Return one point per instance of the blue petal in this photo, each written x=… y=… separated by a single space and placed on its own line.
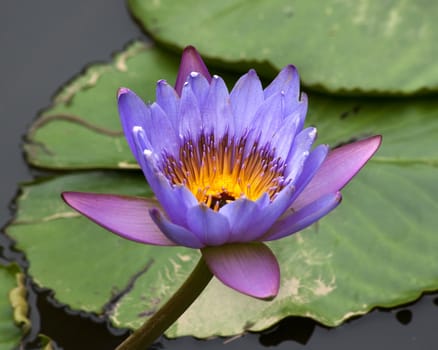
x=210 y=227
x=175 y=233
x=306 y=216
x=283 y=138
x=301 y=109
x=190 y=123
x=267 y=120
x=161 y=132
x=141 y=145
x=133 y=112
x=299 y=152
x=175 y=200
x=241 y=215
x=199 y=85
x=271 y=211
x=168 y=100
x=288 y=82
x=217 y=116
x=310 y=168
x=246 y=98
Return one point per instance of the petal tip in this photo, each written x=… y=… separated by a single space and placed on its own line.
x=269 y=297
x=190 y=50
x=266 y=295
x=291 y=71
x=69 y=197
x=366 y=148
x=269 y=293
x=121 y=91
x=191 y=61
x=377 y=141
x=291 y=68
x=249 y=268
x=162 y=82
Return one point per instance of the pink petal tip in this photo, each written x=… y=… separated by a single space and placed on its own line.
x=191 y=61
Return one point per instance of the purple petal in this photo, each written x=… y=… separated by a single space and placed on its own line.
x=284 y=137
x=287 y=81
x=142 y=146
x=191 y=61
x=241 y=215
x=299 y=220
x=125 y=216
x=270 y=211
x=161 y=132
x=299 y=152
x=246 y=97
x=133 y=112
x=175 y=200
x=199 y=86
x=189 y=113
x=267 y=119
x=212 y=228
x=338 y=169
x=217 y=116
x=301 y=109
x=310 y=168
x=174 y=232
x=168 y=100
x=249 y=268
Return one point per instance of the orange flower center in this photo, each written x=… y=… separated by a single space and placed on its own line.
x=218 y=173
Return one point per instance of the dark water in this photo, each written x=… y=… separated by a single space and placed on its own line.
x=45 y=43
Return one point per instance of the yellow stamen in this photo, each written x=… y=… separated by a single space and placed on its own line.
x=219 y=172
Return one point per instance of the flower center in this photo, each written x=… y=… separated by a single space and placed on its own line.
x=219 y=172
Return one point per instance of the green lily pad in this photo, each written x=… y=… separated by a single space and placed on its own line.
x=87 y=267
x=373 y=47
x=13 y=307
x=63 y=134
x=377 y=249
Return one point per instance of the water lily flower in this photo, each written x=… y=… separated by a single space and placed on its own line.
x=230 y=170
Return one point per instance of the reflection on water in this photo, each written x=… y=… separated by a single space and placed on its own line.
x=297 y=329
x=404 y=316
x=78 y=330
x=71 y=329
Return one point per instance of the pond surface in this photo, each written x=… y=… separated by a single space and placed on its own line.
x=44 y=44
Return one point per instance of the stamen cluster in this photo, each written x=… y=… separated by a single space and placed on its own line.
x=220 y=172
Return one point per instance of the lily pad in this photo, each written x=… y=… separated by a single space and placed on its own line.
x=87 y=267
x=373 y=47
x=377 y=249
x=13 y=307
x=62 y=135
